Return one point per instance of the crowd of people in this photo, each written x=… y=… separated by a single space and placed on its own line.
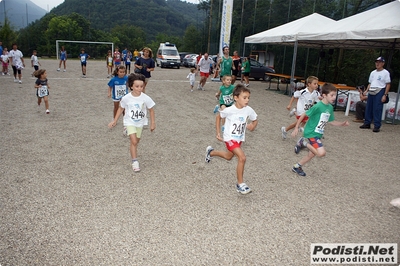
x=234 y=116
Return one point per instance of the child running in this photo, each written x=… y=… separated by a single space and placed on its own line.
x=42 y=88
x=128 y=60
x=135 y=104
x=117 y=87
x=246 y=71
x=236 y=124
x=83 y=57
x=305 y=100
x=109 y=63
x=63 y=59
x=35 y=61
x=225 y=96
x=192 y=78
x=318 y=116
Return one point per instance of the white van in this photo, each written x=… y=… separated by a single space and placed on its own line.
x=168 y=56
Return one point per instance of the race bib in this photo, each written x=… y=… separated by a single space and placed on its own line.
x=120 y=91
x=228 y=99
x=323 y=120
x=110 y=60
x=136 y=113
x=42 y=91
x=238 y=128
x=83 y=58
x=308 y=105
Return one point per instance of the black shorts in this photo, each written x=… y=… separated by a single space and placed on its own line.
x=83 y=64
x=235 y=72
x=36 y=68
x=15 y=70
x=246 y=74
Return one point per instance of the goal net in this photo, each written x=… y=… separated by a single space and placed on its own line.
x=101 y=52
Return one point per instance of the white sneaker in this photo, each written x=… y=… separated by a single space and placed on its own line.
x=65 y=70
x=47 y=111
x=20 y=81
x=58 y=69
x=243 y=188
x=15 y=80
x=292 y=112
x=284 y=133
x=135 y=166
x=2 y=74
x=301 y=129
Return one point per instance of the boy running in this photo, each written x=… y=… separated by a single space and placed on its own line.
x=236 y=117
x=318 y=116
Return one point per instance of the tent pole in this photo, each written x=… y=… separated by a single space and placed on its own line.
x=293 y=65
x=395 y=106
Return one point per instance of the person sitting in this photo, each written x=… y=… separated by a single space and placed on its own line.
x=361 y=105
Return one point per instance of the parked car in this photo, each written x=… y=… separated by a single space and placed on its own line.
x=258 y=71
x=182 y=56
x=190 y=60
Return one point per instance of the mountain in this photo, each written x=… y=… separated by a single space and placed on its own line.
x=20 y=12
x=154 y=16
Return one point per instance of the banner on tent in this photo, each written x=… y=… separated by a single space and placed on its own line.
x=226 y=23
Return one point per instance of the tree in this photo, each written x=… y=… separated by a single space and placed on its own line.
x=7 y=35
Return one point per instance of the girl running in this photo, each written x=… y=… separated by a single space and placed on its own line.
x=117 y=87
x=42 y=88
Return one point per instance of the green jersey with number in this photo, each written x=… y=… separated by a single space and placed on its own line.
x=226 y=97
x=226 y=66
x=318 y=116
x=246 y=67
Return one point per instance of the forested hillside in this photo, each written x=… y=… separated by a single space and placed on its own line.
x=154 y=16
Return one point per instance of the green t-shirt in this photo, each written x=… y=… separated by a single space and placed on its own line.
x=226 y=66
x=226 y=97
x=246 y=67
x=318 y=116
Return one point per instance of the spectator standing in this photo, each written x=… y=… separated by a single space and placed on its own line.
x=378 y=89
x=237 y=62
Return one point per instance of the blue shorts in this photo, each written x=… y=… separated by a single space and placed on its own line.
x=83 y=64
x=316 y=142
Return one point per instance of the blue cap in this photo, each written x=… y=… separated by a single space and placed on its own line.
x=380 y=59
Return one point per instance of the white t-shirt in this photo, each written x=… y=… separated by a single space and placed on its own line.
x=305 y=100
x=16 y=58
x=191 y=77
x=379 y=79
x=205 y=64
x=136 y=109
x=34 y=60
x=236 y=122
x=4 y=58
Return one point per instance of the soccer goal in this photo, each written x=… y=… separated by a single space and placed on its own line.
x=87 y=42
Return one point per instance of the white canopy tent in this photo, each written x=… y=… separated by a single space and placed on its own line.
x=286 y=34
x=375 y=28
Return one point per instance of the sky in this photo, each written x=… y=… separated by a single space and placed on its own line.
x=49 y=4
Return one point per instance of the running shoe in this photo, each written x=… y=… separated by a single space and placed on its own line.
x=243 y=188
x=298 y=170
x=284 y=133
x=292 y=113
x=58 y=69
x=47 y=111
x=20 y=81
x=65 y=70
x=299 y=145
x=216 y=108
x=135 y=166
x=15 y=80
x=208 y=156
x=301 y=129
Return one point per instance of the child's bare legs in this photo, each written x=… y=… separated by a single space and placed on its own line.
x=46 y=102
x=116 y=106
x=65 y=64
x=84 y=70
x=133 y=146
x=228 y=155
x=144 y=87
x=39 y=100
